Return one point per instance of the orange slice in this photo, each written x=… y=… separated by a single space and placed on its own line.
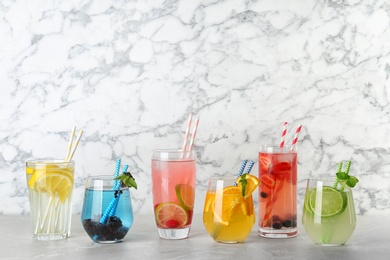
x=226 y=202
x=251 y=185
x=185 y=194
x=171 y=215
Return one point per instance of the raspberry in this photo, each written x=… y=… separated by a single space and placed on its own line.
x=172 y=223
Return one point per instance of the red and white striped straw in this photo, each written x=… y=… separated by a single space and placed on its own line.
x=295 y=140
x=193 y=136
x=283 y=135
x=187 y=133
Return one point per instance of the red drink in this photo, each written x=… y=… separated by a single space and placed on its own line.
x=173 y=188
x=277 y=192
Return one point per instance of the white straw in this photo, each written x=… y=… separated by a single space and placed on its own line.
x=70 y=143
x=193 y=136
x=75 y=146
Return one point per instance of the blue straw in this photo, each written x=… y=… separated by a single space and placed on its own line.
x=251 y=163
x=241 y=171
x=111 y=209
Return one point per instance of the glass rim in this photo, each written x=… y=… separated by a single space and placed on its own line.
x=223 y=178
x=173 y=154
x=48 y=161
x=267 y=148
x=101 y=177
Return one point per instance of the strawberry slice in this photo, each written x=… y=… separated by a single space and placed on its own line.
x=265 y=163
x=282 y=170
x=268 y=180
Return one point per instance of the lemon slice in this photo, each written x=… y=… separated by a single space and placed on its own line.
x=327 y=202
x=54 y=181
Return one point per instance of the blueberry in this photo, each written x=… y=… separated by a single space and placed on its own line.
x=263 y=194
x=287 y=223
x=277 y=225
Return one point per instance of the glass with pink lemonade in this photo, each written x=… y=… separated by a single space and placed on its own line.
x=277 y=192
x=173 y=188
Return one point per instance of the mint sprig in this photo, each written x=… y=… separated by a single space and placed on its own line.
x=344 y=177
x=127 y=179
x=243 y=182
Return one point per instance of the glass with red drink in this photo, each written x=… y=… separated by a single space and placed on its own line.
x=277 y=192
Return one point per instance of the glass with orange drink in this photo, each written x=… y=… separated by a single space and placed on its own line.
x=228 y=214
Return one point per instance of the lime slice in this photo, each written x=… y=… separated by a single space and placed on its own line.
x=171 y=215
x=327 y=202
x=185 y=194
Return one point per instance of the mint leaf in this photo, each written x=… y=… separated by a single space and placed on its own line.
x=243 y=182
x=352 y=181
x=342 y=176
x=127 y=179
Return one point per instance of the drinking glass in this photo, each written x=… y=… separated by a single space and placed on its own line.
x=173 y=188
x=50 y=186
x=277 y=192
x=227 y=215
x=329 y=215
x=107 y=213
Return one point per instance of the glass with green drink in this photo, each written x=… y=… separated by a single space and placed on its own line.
x=329 y=215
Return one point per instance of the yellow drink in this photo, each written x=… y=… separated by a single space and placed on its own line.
x=50 y=185
x=228 y=216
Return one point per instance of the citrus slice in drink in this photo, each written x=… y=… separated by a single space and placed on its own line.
x=56 y=181
x=171 y=215
x=185 y=194
x=326 y=202
x=251 y=184
x=227 y=200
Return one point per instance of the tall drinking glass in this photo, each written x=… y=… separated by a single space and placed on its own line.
x=107 y=213
x=50 y=186
x=173 y=188
x=277 y=192
x=329 y=213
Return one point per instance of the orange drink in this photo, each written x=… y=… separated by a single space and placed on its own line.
x=173 y=188
x=277 y=192
x=228 y=214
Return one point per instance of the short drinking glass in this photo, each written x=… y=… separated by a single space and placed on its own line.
x=173 y=188
x=227 y=215
x=107 y=213
x=329 y=215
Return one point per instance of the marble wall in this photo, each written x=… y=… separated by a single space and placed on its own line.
x=128 y=72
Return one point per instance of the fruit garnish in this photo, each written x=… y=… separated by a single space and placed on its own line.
x=228 y=199
x=331 y=202
x=54 y=181
x=185 y=194
x=170 y=214
x=127 y=179
x=248 y=183
x=344 y=177
x=268 y=180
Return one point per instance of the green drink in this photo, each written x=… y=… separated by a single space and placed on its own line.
x=329 y=213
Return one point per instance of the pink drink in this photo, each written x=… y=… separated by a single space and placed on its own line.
x=173 y=188
x=277 y=192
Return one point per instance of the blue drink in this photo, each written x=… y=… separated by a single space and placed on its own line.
x=107 y=214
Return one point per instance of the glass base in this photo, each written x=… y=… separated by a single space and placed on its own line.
x=174 y=233
x=50 y=236
x=278 y=233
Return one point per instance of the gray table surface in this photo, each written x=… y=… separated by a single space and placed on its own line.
x=371 y=240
